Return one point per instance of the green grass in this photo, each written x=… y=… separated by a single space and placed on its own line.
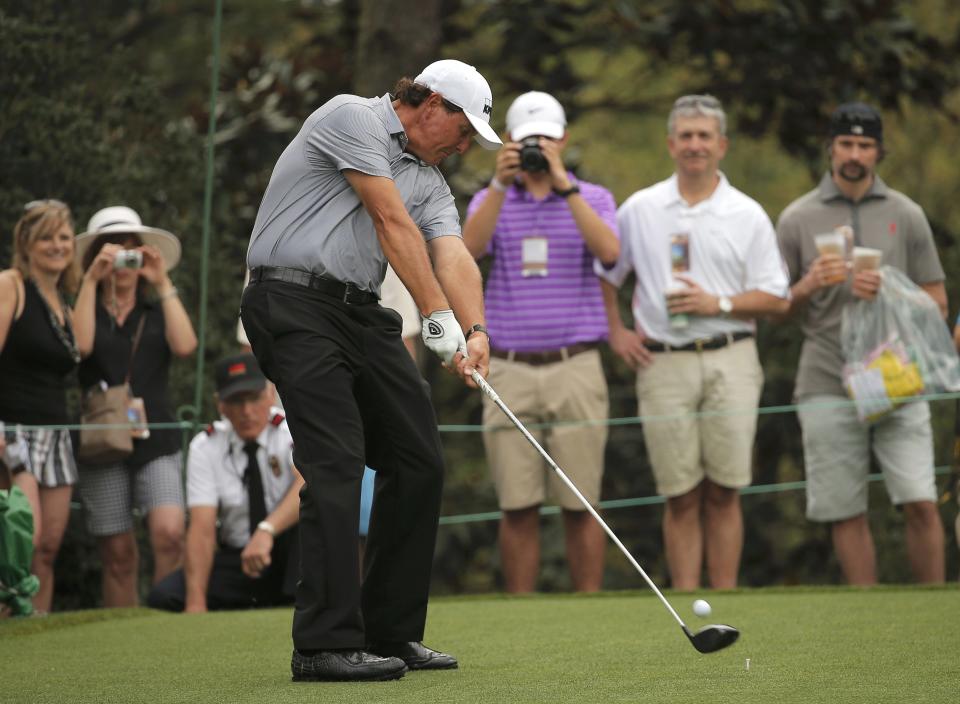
x=805 y=645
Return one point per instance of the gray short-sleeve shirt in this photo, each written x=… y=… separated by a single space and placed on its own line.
x=311 y=219
x=884 y=219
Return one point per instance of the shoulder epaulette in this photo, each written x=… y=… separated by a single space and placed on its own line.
x=277 y=419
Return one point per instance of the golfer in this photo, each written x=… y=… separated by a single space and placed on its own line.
x=357 y=188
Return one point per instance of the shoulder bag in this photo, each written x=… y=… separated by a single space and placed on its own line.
x=106 y=431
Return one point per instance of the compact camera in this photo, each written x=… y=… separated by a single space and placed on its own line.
x=531 y=155
x=128 y=259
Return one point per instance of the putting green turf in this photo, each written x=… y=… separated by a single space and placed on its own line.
x=805 y=645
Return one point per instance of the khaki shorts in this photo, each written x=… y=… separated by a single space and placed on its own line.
x=836 y=452
x=574 y=389
x=684 y=448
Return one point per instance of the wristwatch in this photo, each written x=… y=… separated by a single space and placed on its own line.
x=477 y=328
x=568 y=192
x=267 y=527
x=726 y=306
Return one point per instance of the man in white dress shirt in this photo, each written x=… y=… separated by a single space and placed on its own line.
x=240 y=472
x=707 y=264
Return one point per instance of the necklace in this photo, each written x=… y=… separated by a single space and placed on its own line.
x=114 y=304
x=63 y=332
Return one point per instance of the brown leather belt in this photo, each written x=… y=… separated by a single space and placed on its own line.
x=348 y=293
x=701 y=345
x=547 y=357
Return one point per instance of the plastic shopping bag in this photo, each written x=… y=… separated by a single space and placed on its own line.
x=896 y=347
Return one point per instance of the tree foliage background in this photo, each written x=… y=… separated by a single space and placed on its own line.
x=108 y=102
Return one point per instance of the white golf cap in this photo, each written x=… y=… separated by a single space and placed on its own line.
x=462 y=85
x=536 y=113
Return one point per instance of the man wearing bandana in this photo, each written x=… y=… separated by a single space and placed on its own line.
x=852 y=199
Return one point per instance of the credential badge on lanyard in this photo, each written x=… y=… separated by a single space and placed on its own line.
x=534 y=256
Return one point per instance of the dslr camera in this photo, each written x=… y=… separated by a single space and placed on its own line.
x=128 y=259
x=531 y=156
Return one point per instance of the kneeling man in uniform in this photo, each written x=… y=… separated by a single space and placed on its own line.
x=240 y=473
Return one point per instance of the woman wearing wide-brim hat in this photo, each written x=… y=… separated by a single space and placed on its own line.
x=122 y=260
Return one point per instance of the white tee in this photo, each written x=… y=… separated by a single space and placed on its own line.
x=732 y=249
x=393 y=294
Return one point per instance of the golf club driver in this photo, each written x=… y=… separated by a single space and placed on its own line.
x=708 y=639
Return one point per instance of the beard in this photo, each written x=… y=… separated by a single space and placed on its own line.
x=852 y=171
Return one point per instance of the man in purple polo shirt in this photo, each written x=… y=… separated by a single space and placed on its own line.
x=545 y=314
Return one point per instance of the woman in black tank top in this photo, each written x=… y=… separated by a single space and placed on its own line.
x=38 y=354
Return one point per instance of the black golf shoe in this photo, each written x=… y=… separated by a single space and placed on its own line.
x=416 y=655
x=345 y=666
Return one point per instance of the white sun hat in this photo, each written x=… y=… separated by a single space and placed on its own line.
x=462 y=85
x=119 y=219
x=536 y=113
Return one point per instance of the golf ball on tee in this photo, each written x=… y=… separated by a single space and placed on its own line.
x=701 y=608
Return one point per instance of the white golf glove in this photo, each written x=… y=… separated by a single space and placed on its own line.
x=442 y=335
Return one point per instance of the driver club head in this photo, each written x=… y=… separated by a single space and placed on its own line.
x=710 y=639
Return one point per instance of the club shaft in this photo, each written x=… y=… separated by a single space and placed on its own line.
x=495 y=397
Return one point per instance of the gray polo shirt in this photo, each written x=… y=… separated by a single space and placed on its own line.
x=884 y=219
x=310 y=217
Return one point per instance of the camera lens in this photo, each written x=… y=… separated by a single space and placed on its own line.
x=531 y=156
x=128 y=259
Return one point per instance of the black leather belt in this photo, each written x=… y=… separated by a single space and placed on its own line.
x=547 y=357
x=348 y=293
x=704 y=343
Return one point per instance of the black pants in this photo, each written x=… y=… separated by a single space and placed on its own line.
x=352 y=395
x=229 y=587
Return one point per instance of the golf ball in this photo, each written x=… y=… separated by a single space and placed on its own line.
x=701 y=608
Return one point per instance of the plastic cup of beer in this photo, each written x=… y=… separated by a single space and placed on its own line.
x=677 y=320
x=832 y=243
x=866 y=259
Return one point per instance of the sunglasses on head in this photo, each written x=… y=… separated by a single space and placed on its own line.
x=46 y=201
x=706 y=101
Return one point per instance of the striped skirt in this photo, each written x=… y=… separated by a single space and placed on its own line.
x=49 y=456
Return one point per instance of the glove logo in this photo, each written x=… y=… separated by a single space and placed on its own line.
x=434 y=329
